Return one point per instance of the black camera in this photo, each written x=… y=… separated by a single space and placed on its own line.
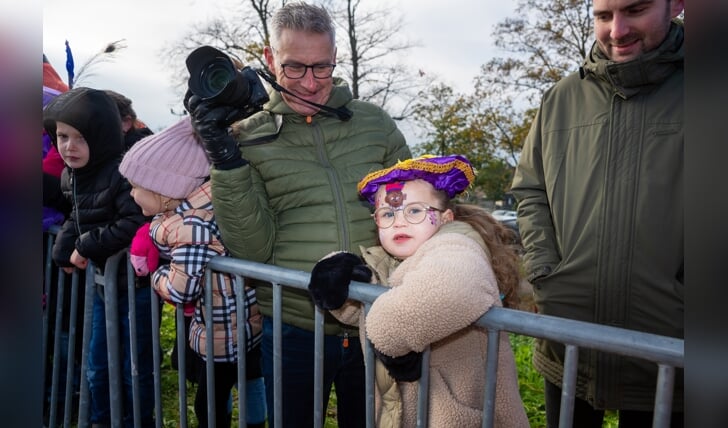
x=213 y=77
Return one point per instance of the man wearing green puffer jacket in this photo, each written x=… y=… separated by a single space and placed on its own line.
x=287 y=196
x=600 y=191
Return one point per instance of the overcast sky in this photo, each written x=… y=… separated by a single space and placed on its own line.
x=454 y=39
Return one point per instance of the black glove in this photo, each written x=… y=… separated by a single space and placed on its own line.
x=211 y=122
x=406 y=368
x=329 y=286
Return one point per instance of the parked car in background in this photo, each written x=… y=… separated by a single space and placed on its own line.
x=502 y=215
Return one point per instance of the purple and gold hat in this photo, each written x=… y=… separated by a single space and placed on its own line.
x=451 y=174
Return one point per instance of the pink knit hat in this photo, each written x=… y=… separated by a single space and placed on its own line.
x=171 y=162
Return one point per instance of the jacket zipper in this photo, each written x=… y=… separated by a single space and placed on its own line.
x=76 y=223
x=336 y=183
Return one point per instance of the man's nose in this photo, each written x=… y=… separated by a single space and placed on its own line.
x=308 y=81
x=620 y=27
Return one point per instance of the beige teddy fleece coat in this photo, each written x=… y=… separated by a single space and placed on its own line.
x=437 y=294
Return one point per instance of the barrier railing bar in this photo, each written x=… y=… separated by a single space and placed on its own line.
x=663 y=396
x=209 y=351
x=156 y=358
x=131 y=290
x=666 y=352
x=423 y=391
x=277 y=355
x=318 y=369
x=47 y=293
x=111 y=290
x=84 y=400
x=568 y=386
x=491 y=372
x=57 y=348
x=369 y=373
x=181 y=363
x=71 y=356
x=242 y=352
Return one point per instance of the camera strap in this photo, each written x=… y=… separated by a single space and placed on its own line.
x=343 y=113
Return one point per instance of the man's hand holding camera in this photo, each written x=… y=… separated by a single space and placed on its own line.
x=220 y=94
x=211 y=121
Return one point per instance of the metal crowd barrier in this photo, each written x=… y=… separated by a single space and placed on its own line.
x=667 y=353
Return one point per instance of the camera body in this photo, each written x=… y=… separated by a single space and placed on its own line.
x=213 y=77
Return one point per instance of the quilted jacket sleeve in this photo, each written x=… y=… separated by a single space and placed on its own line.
x=243 y=213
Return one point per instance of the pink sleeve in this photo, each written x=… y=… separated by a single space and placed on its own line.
x=144 y=254
x=53 y=162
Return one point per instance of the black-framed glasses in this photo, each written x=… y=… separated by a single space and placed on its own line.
x=414 y=213
x=297 y=71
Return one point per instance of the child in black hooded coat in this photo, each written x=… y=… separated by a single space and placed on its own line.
x=85 y=126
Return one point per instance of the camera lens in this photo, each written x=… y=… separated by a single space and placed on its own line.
x=215 y=76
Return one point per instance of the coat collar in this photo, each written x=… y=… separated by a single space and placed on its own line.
x=652 y=68
x=264 y=126
x=340 y=96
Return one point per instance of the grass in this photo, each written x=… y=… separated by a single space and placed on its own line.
x=530 y=383
x=170 y=382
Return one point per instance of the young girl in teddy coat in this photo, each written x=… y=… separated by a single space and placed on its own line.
x=446 y=264
x=168 y=172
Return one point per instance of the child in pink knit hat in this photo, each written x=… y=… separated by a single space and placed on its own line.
x=446 y=264
x=168 y=172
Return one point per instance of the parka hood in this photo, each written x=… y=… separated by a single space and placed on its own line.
x=95 y=115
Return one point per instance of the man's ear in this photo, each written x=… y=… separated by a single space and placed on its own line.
x=269 y=59
x=676 y=6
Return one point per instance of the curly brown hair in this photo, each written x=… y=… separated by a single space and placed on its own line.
x=503 y=257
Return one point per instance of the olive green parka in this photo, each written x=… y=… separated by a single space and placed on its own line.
x=296 y=200
x=600 y=192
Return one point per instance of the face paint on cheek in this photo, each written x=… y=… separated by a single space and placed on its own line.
x=433 y=217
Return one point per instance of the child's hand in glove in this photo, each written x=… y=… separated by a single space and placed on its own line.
x=144 y=254
x=329 y=285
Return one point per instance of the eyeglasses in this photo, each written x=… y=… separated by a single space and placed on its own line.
x=297 y=71
x=414 y=213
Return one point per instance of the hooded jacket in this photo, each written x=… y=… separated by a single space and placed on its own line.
x=104 y=217
x=437 y=294
x=600 y=192
x=296 y=200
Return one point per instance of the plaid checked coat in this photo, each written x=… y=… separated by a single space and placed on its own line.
x=189 y=236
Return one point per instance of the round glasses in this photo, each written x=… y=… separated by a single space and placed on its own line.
x=297 y=71
x=414 y=213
